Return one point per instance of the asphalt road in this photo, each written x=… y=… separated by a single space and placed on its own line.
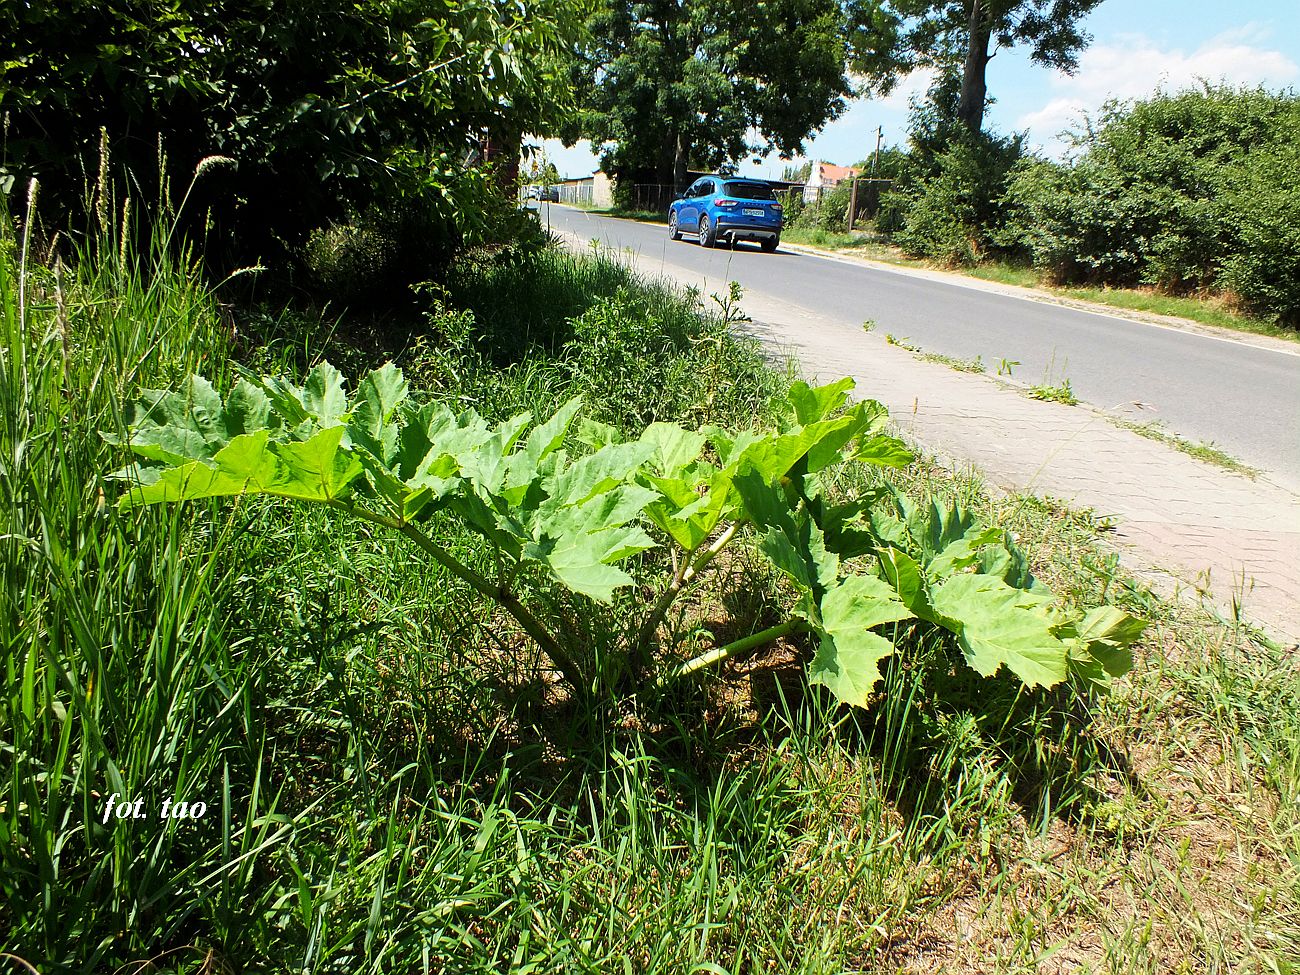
x=1243 y=398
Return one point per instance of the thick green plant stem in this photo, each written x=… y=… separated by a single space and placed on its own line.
x=719 y=654
x=498 y=593
x=687 y=571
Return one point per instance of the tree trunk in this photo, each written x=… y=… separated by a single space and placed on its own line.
x=974 y=82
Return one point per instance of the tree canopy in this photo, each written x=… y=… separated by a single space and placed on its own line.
x=674 y=83
x=892 y=37
x=321 y=105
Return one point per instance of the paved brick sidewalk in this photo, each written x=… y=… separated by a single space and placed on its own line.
x=1210 y=533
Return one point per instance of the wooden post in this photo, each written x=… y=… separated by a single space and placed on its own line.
x=853 y=203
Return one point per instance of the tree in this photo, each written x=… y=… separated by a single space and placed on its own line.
x=669 y=84
x=325 y=107
x=797 y=174
x=893 y=37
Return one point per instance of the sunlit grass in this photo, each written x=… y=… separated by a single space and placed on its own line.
x=391 y=787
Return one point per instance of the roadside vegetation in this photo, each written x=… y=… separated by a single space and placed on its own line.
x=1220 y=312
x=1147 y=215
x=1207 y=452
x=388 y=589
x=395 y=776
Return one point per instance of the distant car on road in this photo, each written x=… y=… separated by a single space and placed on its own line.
x=727 y=209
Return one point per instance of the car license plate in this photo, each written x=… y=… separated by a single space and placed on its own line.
x=752 y=212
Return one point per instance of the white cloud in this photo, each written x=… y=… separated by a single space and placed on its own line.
x=1134 y=66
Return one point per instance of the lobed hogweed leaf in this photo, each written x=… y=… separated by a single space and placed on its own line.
x=908 y=580
x=311 y=470
x=672 y=448
x=595 y=473
x=1100 y=644
x=322 y=395
x=963 y=552
x=248 y=409
x=848 y=658
x=372 y=423
x=1008 y=563
x=192 y=423
x=594 y=434
x=883 y=451
x=997 y=625
x=793 y=542
x=690 y=509
x=547 y=436
x=580 y=560
x=810 y=404
x=320 y=401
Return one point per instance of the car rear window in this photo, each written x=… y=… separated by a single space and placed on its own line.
x=748 y=191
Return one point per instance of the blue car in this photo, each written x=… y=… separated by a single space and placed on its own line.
x=727 y=209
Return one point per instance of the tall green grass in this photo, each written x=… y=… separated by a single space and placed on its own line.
x=120 y=676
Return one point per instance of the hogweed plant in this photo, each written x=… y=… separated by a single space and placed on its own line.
x=548 y=517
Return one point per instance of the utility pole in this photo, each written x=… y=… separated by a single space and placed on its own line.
x=875 y=163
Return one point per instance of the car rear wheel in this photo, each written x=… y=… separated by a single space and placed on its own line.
x=769 y=244
x=673 y=230
x=706 y=233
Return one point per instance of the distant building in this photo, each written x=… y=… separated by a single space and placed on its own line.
x=596 y=190
x=824 y=177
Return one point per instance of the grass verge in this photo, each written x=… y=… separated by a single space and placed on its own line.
x=646 y=216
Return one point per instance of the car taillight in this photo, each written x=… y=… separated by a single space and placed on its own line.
x=776 y=207
x=727 y=203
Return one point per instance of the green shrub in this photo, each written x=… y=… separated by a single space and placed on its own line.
x=1184 y=192
x=793 y=204
x=654 y=357
x=830 y=212
x=954 y=215
x=1259 y=211
x=362 y=258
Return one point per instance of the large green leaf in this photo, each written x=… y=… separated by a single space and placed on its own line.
x=372 y=424
x=322 y=395
x=883 y=451
x=810 y=404
x=320 y=401
x=596 y=473
x=672 y=448
x=848 y=658
x=311 y=470
x=192 y=423
x=690 y=508
x=962 y=553
x=524 y=467
x=581 y=560
x=908 y=580
x=998 y=626
x=1101 y=644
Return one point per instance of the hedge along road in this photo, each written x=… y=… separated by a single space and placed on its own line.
x=1241 y=395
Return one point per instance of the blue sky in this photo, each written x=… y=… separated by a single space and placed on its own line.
x=1138 y=46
